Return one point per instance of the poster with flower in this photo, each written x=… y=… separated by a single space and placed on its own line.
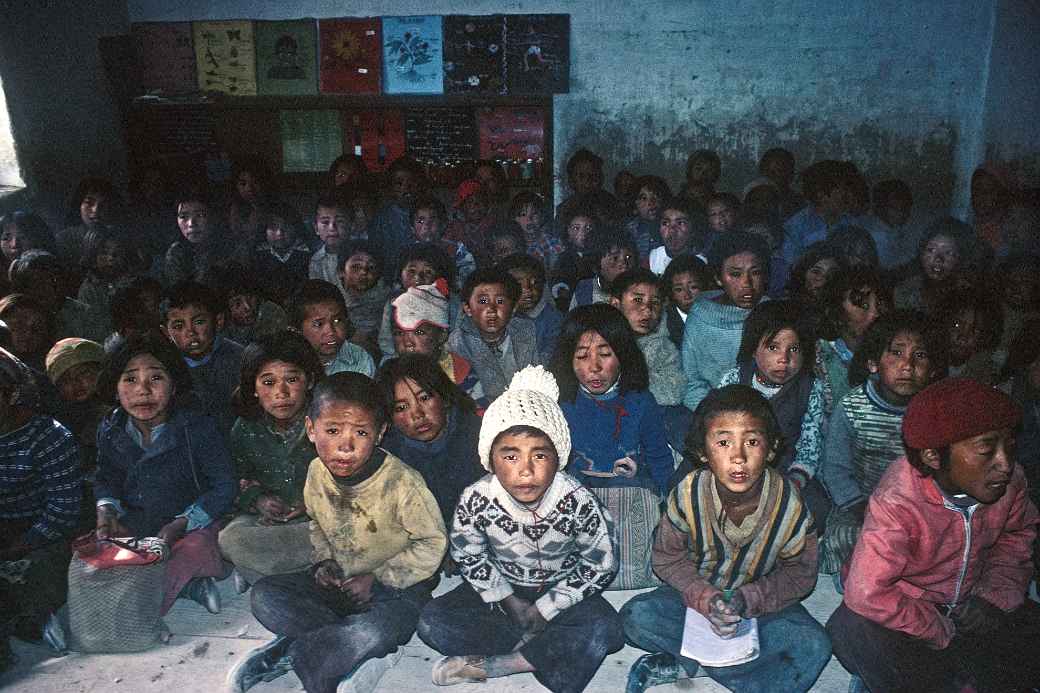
x=413 y=55
x=349 y=56
x=474 y=55
x=225 y=57
x=538 y=55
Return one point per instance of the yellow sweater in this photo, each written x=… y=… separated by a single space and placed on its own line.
x=388 y=525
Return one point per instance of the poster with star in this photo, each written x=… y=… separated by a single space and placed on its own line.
x=165 y=59
x=412 y=55
x=474 y=54
x=538 y=55
x=287 y=57
x=225 y=57
x=349 y=55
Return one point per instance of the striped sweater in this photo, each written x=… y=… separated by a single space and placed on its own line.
x=773 y=564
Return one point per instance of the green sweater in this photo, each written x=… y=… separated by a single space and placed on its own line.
x=278 y=462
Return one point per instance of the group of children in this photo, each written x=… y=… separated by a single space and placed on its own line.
x=409 y=391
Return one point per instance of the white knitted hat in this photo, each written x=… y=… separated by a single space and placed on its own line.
x=530 y=400
x=427 y=303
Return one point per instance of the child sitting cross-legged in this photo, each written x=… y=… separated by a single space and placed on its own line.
x=535 y=549
x=935 y=593
x=377 y=538
x=736 y=542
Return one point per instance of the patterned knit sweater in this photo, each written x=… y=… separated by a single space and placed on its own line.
x=498 y=543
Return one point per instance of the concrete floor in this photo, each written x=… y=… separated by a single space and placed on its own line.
x=204 y=647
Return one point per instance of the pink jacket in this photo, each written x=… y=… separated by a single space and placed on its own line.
x=918 y=556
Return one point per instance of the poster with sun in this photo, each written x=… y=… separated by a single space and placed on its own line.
x=225 y=57
x=350 y=55
x=474 y=54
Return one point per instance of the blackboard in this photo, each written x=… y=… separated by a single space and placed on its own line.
x=173 y=130
x=440 y=134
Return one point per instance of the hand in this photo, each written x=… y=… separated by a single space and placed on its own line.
x=294 y=513
x=329 y=575
x=536 y=623
x=516 y=608
x=173 y=531
x=626 y=467
x=359 y=587
x=108 y=524
x=448 y=566
x=723 y=619
x=977 y=616
x=270 y=508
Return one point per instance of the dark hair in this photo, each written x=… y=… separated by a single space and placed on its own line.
x=823 y=178
x=344 y=158
x=32 y=261
x=94 y=242
x=189 y=293
x=704 y=155
x=654 y=184
x=775 y=153
x=128 y=307
x=348 y=388
x=916 y=460
x=989 y=314
x=310 y=292
x=524 y=263
x=892 y=190
x=351 y=248
x=284 y=345
x=498 y=174
x=582 y=156
x=331 y=199
x=162 y=349
x=604 y=239
x=817 y=251
x=612 y=326
x=881 y=334
x=193 y=193
x=768 y=319
x=490 y=275
x=229 y=279
x=956 y=230
x=1023 y=350
x=90 y=184
x=507 y=229
x=626 y=280
x=688 y=262
x=408 y=165
x=736 y=243
x=678 y=203
x=854 y=241
x=731 y=398
x=256 y=166
x=433 y=255
x=569 y=212
x=726 y=198
x=20 y=301
x=32 y=225
x=286 y=212
x=856 y=283
x=425 y=371
x=522 y=199
x=431 y=203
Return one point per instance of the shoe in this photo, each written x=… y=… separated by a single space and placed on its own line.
x=241 y=584
x=451 y=670
x=653 y=670
x=54 y=635
x=205 y=592
x=262 y=664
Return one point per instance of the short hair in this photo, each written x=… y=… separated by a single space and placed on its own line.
x=490 y=275
x=351 y=248
x=431 y=203
x=310 y=292
x=883 y=331
x=344 y=158
x=735 y=243
x=654 y=184
x=855 y=241
x=962 y=235
x=688 y=262
x=33 y=226
x=677 y=203
x=20 y=301
x=90 y=184
x=725 y=198
x=768 y=319
x=229 y=279
x=569 y=212
x=433 y=255
x=612 y=326
x=408 y=165
x=94 y=242
x=254 y=165
x=892 y=190
x=127 y=306
x=820 y=250
x=332 y=199
x=285 y=345
x=32 y=261
x=604 y=239
x=348 y=388
x=822 y=178
x=162 y=349
x=775 y=153
x=507 y=229
x=193 y=193
x=425 y=371
x=522 y=199
x=285 y=212
x=735 y=398
x=857 y=283
x=190 y=293
x=704 y=155
x=582 y=156
x=524 y=263
x=626 y=280
x=989 y=314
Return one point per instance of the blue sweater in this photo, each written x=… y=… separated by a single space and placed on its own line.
x=711 y=341
x=612 y=426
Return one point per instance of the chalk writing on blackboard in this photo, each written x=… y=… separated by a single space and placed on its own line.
x=440 y=134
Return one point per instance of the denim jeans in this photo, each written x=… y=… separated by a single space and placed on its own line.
x=793 y=647
x=566 y=654
x=331 y=638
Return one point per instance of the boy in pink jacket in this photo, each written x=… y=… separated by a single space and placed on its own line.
x=935 y=596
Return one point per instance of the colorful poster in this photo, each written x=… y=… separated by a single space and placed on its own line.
x=287 y=57
x=474 y=54
x=350 y=55
x=165 y=59
x=413 y=55
x=311 y=140
x=226 y=57
x=538 y=55
x=377 y=136
x=511 y=133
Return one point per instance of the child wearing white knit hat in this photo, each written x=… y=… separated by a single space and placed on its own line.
x=535 y=546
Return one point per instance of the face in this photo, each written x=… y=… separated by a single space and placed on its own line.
x=641 y=306
x=360 y=272
x=595 y=364
x=816 y=276
x=780 y=170
x=345 y=434
x=531 y=288
x=404 y=186
x=145 y=390
x=647 y=204
x=79 y=383
x=504 y=246
x=701 y=171
x=624 y=182
x=111 y=259
x=586 y=178
x=939 y=258
x=93 y=208
x=578 y=231
x=417 y=413
x=530 y=219
x=426 y=225
x=474 y=208
x=192 y=218
x=779 y=358
x=193 y=329
x=488 y=180
x=247 y=186
x=244 y=308
x=980 y=466
x=346 y=171
x=685 y=289
x=743 y=280
x=417 y=273
x=331 y=226
x=13 y=242
x=904 y=370
x=29 y=331
x=281 y=389
x=896 y=212
x=614 y=262
x=675 y=231
x=280 y=233
x=491 y=308
x=424 y=339
x=860 y=312
x=964 y=331
x=525 y=465
x=325 y=327
x=721 y=217
x=737 y=449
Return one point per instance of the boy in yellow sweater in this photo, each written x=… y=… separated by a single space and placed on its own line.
x=378 y=539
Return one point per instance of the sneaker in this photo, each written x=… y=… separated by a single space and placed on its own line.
x=204 y=591
x=54 y=635
x=241 y=584
x=653 y=670
x=262 y=664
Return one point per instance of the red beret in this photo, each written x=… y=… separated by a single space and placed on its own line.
x=956 y=409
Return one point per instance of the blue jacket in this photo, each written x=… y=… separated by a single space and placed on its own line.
x=186 y=472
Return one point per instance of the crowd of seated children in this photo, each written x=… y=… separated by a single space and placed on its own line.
x=429 y=221
x=610 y=252
x=420 y=264
x=21 y=231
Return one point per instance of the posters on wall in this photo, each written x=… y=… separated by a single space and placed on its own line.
x=510 y=133
x=538 y=53
x=311 y=140
x=350 y=55
x=413 y=55
x=474 y=54
x=165 y=58
x=286 y=58
x=440 y=134
x=225 y=57
x=376 y=135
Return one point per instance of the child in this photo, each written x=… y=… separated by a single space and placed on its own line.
x=270 y=453
x=723 y=212
x=318 y=312
x=703 y=170
x=21 y=231
x=736 y=542
x=192 y=317
x=533 y=545
x=826 y=185
x=740 y=263
x=330 y=224
x=526 y=209
x=617 y=428
x=251 y=182
x=778 y=164
x=611 y=252
x=936 y=589
x=897 y=359
x=107 y=260
x=973 y=321
x=503 y=240
x=943 y=252
x=421 y=264
x=390 y=229
x=249 y=315
x=645 y=226
x=377 y=539
x=492 y=179
x=39 y=274
x=134 y=309
x=364 y=290
x=346 y=171
x=893 y=202
x=818 y=265
x=163 y=468
x=773 y=234
x=473 y=219
x=281 y=261
x=534 y=302
x=31 y=329
x=683 y=281
x=429 y=219
x=584 y=178
x=575 y=264
x=676 y=234
x=73 y=366
x=92 y=205
x=493 y=339
x=201 y=246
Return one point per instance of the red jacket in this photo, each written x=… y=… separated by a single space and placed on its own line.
x=917 y=556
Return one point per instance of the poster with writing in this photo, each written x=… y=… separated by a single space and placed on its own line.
x=412 y=55
x=440 y=134
x=376 y=135
x=165 y=58
x=225 y=57
x=511 y=133
x=287 y=57
x=474 y=54
x=311 y=140
x=538 y=55
x=350 y=55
